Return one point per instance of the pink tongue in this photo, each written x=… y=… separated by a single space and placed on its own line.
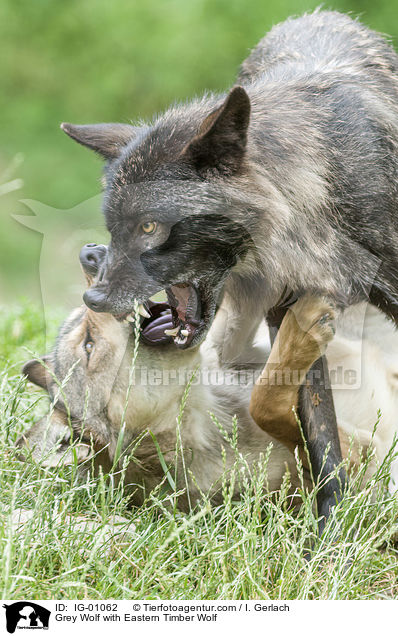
x=181 y=294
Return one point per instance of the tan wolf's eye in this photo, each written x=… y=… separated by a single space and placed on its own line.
x=149 y=227
x=89 y=346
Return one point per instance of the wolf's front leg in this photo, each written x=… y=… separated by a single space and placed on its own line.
x=306 y=329
x=233 y=330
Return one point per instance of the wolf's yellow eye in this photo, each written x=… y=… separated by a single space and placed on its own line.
x=149 y=227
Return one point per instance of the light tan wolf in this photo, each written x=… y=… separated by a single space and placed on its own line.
x=101 y=402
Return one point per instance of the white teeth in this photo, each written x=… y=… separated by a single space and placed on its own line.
x=172 y=332
x=185 y=333
x=143 y=312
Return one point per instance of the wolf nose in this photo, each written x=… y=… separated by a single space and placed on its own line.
x=92 y=257
x=96 y=299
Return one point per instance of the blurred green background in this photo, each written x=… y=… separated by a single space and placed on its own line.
x=101 y=60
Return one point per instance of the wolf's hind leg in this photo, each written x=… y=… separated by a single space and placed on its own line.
x=305 y=331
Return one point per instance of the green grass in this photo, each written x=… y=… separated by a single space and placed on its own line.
x=252 y=548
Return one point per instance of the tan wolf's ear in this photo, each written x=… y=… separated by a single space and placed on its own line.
x=37 y=373
x=49 y=442
x=105 y=139
x=220 y=144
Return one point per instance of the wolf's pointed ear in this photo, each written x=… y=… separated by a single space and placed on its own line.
x=49 y=442
x=37 y=373
x=220 y=144
x=105 y=139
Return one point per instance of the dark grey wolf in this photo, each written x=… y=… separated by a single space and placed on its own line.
x=92 y=361
x=288 y=181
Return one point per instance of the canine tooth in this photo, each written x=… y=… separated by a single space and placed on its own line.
x=143 y=312
x=172 y=332
x=130 y=318
x=185 y=332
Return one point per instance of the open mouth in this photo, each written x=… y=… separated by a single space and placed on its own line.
x=186 y=310
x=156 y=323
x=179 y=320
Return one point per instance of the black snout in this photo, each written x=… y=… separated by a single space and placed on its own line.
x=97 y=299
x=92 y=257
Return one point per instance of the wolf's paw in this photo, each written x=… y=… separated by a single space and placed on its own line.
x=306 y=330
x=316 y=317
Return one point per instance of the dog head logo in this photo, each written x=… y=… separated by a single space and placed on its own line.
x=26 y=615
